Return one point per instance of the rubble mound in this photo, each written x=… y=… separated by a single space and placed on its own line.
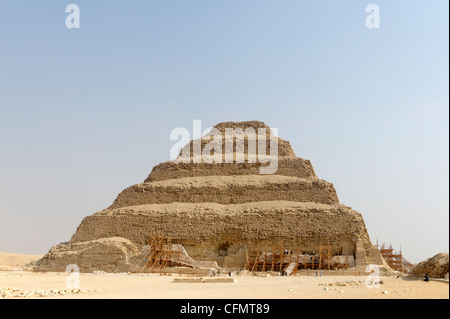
x=112 y=254
x=436 y=266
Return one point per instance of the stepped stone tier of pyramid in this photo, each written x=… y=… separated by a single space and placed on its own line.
x=220 y=211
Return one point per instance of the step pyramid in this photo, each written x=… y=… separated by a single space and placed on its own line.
x=219 y=211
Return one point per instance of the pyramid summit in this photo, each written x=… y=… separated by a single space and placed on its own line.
x=219 y=211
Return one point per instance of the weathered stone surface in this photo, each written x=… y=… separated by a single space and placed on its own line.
x=211 y=231
x=218 y=212
x=111 y=254
x=241 y=132
x=287 y=166
x=228 y=190
x=436 y=266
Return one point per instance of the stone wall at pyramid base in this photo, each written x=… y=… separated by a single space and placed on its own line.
x=110 y=239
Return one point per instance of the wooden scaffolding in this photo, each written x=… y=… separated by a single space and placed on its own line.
x=393 y=259
x=160 y=254
x=282 y=259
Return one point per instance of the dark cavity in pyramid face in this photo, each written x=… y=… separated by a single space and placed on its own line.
x=222 y=211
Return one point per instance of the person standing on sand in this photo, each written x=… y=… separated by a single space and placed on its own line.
x=427 y=279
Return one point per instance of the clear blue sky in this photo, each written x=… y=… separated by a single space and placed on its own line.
x=85 y=113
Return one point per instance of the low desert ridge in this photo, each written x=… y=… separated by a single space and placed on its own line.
x=9 y=261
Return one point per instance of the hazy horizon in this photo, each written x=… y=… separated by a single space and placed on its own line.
x=86 y=113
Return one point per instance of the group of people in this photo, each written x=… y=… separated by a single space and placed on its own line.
x=213 y=273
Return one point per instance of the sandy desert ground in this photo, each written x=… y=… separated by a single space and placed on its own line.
x=104 y=285
x=246 y=287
